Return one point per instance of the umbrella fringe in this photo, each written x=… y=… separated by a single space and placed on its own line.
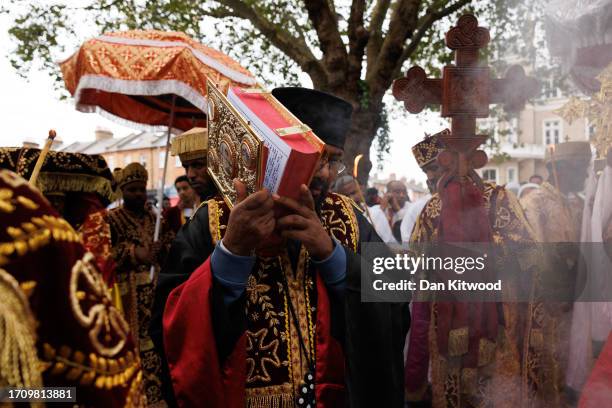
x=129 y=87
x=125 y=122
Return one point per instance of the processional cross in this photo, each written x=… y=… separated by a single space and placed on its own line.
x=464 y=92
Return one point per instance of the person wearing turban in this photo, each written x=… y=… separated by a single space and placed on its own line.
x=134 y=253
x=191 y=147
x=555 y=212
x=478 y=352
x=75 y=184
x=240 y=327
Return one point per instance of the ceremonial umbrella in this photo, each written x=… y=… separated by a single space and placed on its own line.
x=150 y=80
x=579 y=35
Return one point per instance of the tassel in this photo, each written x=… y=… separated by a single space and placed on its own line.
x=64 y=182
x=19 y=363
x=271 y=401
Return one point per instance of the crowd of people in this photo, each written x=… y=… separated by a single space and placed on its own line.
x=391 y=211
x=260 y=305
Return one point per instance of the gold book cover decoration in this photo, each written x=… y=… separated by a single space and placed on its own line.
x=235 y=151
x=255 y=138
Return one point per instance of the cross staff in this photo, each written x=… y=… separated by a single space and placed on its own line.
x=464 y=93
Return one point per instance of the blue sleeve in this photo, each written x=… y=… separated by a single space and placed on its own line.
x=231 y=271
x=333 y=269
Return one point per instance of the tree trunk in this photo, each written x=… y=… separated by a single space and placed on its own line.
x=363 y=129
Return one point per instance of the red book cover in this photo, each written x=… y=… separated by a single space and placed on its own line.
x=293 y=150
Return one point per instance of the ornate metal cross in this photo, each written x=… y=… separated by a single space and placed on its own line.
x=464 y=92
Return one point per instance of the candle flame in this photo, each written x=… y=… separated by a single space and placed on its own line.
x=356 y=165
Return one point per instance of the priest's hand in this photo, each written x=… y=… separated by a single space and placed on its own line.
x=251 y=221
x=304 y=225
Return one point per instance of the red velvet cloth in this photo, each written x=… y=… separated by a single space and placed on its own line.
x=417 y=359
x=198 y=377
x=96 y=235
x=79 y=205
x=463 y=219
x=174 y=218
x=597 y=392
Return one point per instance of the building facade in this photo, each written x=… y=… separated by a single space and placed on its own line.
x=145 y=148
x=527 y=136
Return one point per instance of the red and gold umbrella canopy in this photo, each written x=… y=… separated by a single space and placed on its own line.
x=133 y=77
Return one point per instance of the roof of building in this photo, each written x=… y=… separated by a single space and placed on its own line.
x=133 y=141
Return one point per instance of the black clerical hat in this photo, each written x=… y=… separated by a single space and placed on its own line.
x=328 y=116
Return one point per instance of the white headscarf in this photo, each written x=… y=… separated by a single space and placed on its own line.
x=526 y=186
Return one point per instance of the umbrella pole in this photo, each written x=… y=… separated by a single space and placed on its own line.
x=160 y=193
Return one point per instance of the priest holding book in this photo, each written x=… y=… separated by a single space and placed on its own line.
x=248 y=323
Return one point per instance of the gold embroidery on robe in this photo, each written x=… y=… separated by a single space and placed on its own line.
x=495 y=382
x=136 y=288
x=555 y=219
x=40 y=254
x=20 y=365
x=276 y=364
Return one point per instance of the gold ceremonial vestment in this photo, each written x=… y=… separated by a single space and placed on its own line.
x=508 y=373
x=556 y=220
x=553 y=217
x=276 y=364
x=137 y=291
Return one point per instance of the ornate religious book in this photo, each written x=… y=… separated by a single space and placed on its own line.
x=254 y=138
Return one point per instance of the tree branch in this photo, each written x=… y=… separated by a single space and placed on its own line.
x=403 y=22
x=425 y=24
x=294 y=47
x=375 y=32
x=358 y=39
x=325 y=22
x=219 y=12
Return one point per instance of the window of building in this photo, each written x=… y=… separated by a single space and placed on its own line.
x=513 y=130
x=552 y=131
x=177 y=161
x=143 y=160
x=550 y=91
x=162 y=159
x=127 y=159
x=489 y=175
x=592 y=131
x=111 y=162
x=511 y=175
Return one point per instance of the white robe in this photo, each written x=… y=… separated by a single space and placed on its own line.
x=381 y=224
x=592 y=320
x=411 y=216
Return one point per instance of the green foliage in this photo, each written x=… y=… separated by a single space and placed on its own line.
x=383 y=138
x=364 y=94
x=251 y=31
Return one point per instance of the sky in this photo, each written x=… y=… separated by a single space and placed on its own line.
x=31 y=107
